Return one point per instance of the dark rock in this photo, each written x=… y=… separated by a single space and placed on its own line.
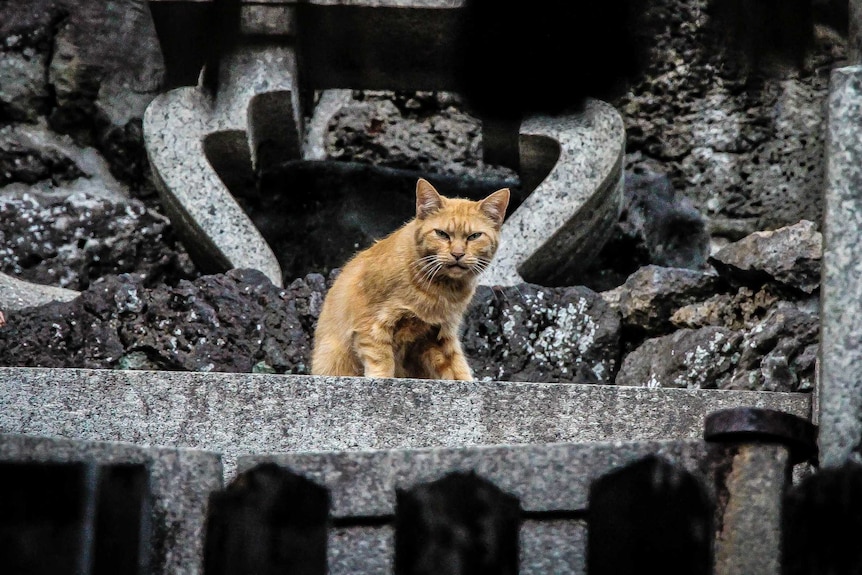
x=657 y=226
x=672 y=230
x=72 y=62
x=745 y=152
x=652 y=294
x=28 y=28
x=72 y=241
x=30 y=165
x=741 y=310
x=779 y=353
x=233 y=322
x=695 y=359
x=789 y=256
x=532 y=333
x=425 y=131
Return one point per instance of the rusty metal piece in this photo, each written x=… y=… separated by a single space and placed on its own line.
x=749 y=424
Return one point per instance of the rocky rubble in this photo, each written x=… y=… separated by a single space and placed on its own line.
x=665 y=327
x=711 y=279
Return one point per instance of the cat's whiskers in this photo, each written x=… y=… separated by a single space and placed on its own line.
x=427 y=268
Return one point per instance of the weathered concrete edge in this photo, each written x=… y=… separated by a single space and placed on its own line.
x=245 y=414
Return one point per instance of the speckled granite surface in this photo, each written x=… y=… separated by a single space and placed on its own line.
x=546 y=478
x=243 y=414
x=574 y=207
x=176 y=127
x=840 y=388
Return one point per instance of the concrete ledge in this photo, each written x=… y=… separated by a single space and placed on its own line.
x=243 y=414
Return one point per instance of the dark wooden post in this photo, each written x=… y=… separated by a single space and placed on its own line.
x=268 y=521
x=460 y=524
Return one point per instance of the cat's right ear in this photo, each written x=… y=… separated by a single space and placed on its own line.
x=428 y=200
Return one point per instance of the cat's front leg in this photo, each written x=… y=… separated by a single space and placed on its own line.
x=376 y=353
x=446 y=360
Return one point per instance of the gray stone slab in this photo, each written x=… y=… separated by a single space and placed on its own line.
x=545 y=477
x=240 y=414
x=840 y=383
x=555 y=546
x=366 y=550
x=180 y=482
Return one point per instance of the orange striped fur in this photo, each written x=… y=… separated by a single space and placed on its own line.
x=395 y=309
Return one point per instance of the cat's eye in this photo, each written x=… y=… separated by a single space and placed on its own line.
x=441 y=234
x=475 y=236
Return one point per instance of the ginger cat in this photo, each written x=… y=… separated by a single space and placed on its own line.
x=395 y=309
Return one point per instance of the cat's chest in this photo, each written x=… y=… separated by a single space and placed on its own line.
x=410 y=328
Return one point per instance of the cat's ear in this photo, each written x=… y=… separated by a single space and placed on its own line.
x=494 y=206
x=428 y=200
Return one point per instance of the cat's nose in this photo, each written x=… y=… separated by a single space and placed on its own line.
x=457 y=255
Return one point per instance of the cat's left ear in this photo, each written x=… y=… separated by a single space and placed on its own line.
x=428 y=200
x=494 y=206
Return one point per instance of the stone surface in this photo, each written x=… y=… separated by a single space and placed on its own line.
x=776 y=352
x=236 y=322
x=185 y=130
x=789 y=256
x=242 y=414
x=651 y=295
x=748 y=151
x=422 y=131
x=531 y=333
x=70 y=63
x=574 y=162
x=180 y=481
x=546 y=478
x=840 y=392
x=71 y=240
x=550 y=477
x=16 y=294
x=694 y=359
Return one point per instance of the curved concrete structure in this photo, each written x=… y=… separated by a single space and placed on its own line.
x=572 y=162
x=179 y=127
x=575 y=163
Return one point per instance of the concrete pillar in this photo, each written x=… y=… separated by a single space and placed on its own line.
x=839 y=392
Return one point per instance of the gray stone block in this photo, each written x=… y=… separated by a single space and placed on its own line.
x=180 y=482
x=546 y=478
x=840 y=385
x=241 y=414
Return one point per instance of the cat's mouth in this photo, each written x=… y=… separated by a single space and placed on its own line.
x=457 y=265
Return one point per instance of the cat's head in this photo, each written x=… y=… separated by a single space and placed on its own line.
x=456 y=238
